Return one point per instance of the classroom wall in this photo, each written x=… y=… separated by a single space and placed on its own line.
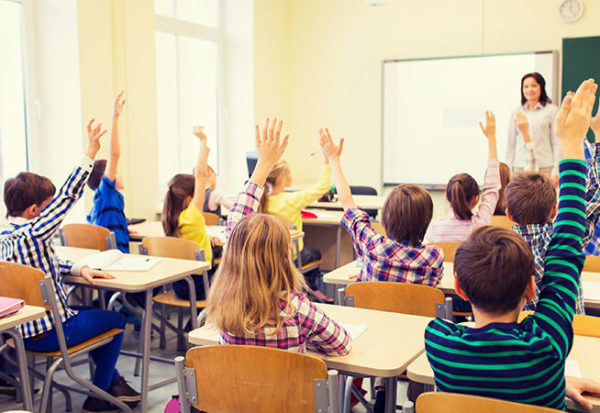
x=332 y=62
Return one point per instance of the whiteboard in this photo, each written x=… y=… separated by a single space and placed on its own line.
x=431 y=110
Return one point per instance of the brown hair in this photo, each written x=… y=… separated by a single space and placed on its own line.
x=255 y=276
x=278 y=170
x=530 y=198
x=460 y=191
x=493 y=267
x=181 y=186
x=406 y=213
x=97 y=173
x=24 y=190
x=504 y=180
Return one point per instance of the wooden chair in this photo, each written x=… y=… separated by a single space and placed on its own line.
x=210 y=218
x=592 y=264
x=440 y=402
x=180 y=248
x=449 y=249
x=87 y=236
x=583 y=325
x=31 y=285
x=502 y=221
x=257 y=380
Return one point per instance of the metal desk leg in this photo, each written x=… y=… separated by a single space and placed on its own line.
x=147 y=330
x=338 y=243
x=22 y=359
x=390 y=394
x=193 y=309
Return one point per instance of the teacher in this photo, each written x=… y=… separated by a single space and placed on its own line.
x=532 y=142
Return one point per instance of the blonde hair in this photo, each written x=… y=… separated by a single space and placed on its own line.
x=278 y=170
x=255 y=276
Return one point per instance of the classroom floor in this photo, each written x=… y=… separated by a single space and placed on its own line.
x=157 y=399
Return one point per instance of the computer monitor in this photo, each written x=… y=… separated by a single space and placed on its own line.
x=251 y=159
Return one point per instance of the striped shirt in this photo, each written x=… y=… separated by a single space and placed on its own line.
x=29 y=242
x=305 y=325
x=522 y=362
x=108 y=212
x=538 y=236
x=388 y=260
x=454 y=229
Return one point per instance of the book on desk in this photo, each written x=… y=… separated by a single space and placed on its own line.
x=115 y=260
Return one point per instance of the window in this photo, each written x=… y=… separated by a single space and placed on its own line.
x=13 y=130
x=188 y=67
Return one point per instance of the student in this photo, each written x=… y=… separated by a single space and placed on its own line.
x=213 y=199
x=289 y=205
x=593 y=247
x=531 y=204
x=499 y=357
x=256 y=297
x=108 y=208
x=504 y=180
x=462 y=192
x=182 y=214
x=406 y=213
x=34 y=216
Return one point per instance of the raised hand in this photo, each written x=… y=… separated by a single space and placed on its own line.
x=94 y=135
x=523 y=125
x=595 y=125
x=489 y=129
x=118 y=104
x=198 y=131
x=330 y=149
x=269 y=145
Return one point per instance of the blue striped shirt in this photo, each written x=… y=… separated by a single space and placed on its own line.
x=29 y=242
x=522 y=362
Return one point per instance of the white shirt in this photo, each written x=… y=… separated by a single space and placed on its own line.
x=543 y=136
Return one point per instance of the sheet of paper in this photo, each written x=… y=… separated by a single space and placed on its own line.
x=591 y=290
x=572 y=368
x=133 y=263
x=354 y=330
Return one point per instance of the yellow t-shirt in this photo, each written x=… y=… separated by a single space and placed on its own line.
x=289 y=204
x=192 y=226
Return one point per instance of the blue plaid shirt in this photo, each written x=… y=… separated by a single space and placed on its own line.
x=593 y=247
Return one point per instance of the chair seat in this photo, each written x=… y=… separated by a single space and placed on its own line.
x=169 y=298
x=310 y=265
x=81 y=346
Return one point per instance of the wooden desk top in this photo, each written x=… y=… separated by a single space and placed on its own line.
x=585 y=351
x=165 y=271
x=390 y=343
x=363 y=201
x=25 y=314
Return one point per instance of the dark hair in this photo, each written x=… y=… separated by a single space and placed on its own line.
x=504 y=180
x=24 y=190
x=460 y=191
x=530 y=198
x=493 y=267
x=97 y=173
x=181 y=186
x=544 y=99
x=406 y=213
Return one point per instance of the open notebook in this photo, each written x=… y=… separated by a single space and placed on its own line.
x=115 y=260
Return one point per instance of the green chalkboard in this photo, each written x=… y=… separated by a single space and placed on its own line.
x=579 y=62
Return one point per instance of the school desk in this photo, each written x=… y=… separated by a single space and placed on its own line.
x=166 y=271
x=585 y=352
x=390 y=343
x=9 y=325
x=363 y=201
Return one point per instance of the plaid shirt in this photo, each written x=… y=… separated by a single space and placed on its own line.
x=538 y=236
x=305 y=325
x=593 y=247
x=29 y=242
x=388 y=260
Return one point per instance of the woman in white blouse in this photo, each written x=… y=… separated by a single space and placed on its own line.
x=532 y=143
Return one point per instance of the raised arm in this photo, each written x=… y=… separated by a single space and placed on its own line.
x=201 y=170
x=511 y=142
x=333 y=153
x=491 y=185
x=115 y=145
x=523 y=126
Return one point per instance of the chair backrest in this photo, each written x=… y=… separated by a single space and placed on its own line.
x=592 y=264
x=210 y=218
x=21 y=281
x=171 y=247
x=440 y=402
x=583 y=325
x=87 y=236
x=396 y=297
x=362 y=190
x=502 y=221
x=257 y=379
x=449 y=249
